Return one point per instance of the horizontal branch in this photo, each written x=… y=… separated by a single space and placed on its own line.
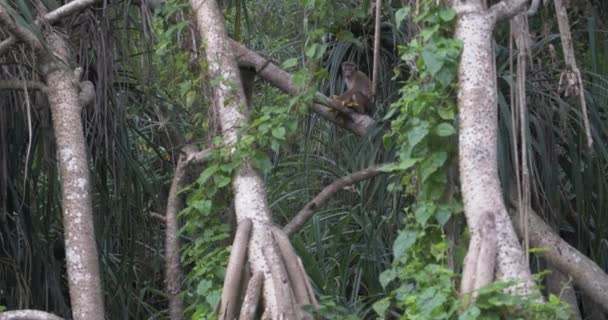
x=310 y=208
x=27 y=314
x=358 y=123
x=22 y=84
x=507 y=9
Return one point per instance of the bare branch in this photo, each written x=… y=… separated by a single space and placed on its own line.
x=21 y=85
x=68 y=9
x=506 y=9
x=252 y=297
x=309 y=209
x=232 y=281
x=28 y=315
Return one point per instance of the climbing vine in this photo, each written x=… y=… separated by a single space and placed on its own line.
x=420 y=284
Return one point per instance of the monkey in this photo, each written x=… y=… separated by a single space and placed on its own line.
x=358 y=94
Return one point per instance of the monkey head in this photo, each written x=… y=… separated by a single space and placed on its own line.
x=348 y=70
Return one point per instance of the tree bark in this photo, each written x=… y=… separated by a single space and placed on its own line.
x=248 y=186
x=478 y=122
x=561 y=286
x=81 y=249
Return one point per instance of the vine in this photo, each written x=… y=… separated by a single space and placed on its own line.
x=420 y=284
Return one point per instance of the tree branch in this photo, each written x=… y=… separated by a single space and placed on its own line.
x=506 y=9
x=68 y=9
x=309 y=209
x=358 y=123
x=22 y=84
x=28 y=315
x=585 y=273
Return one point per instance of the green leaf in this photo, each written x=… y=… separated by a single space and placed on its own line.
x=290 y=63
x=203 y=287
x=299 y=79
x=442 y=215
x=431 y=61
x=213 y=298
x=401 y=166
x=206 y=174
x=444 y=129
x=387 y=276
x=279 y=133
x=472 y=313
x=404 y=241
x=418 y=133
x=401 y=14
x=430 y=165
x=447 y=14
x=423 y=213
x=381 y=306
x=315 y=51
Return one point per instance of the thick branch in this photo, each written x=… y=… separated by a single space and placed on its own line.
x=309 y=209
x=28 y=315
x=506 y=9
x=359 y=123
x=21 y=85
x=232 y=281
x=586 y=274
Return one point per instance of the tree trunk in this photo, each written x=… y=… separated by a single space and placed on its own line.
x=81 y=248
x=248 y=186
x=478 y=122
